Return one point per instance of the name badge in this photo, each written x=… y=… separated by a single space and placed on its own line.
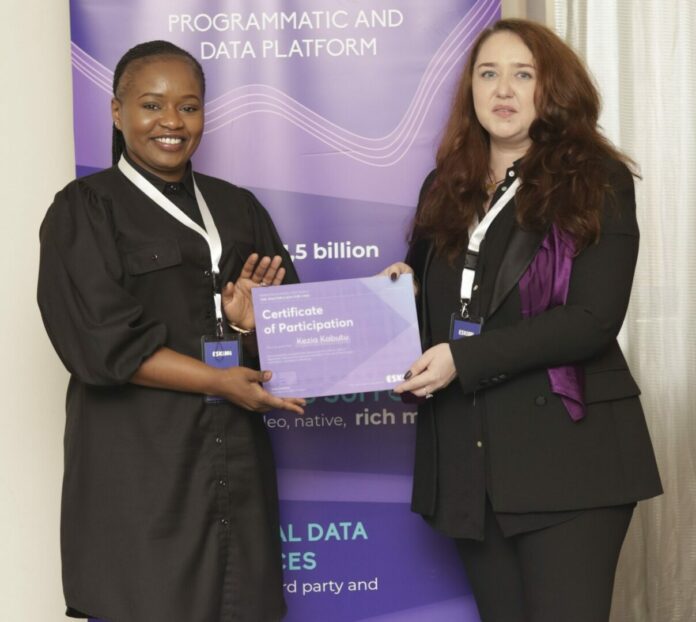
x=460 y=328
x=220 y=353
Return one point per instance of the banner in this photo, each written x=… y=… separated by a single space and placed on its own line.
x=330 y=111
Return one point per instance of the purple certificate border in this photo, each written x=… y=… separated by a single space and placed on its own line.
x=337 y=337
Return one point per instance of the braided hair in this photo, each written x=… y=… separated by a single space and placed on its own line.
x=143 y=52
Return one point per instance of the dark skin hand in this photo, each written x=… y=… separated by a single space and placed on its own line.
x=254 y=397
x=236 y=297
x=167 y=369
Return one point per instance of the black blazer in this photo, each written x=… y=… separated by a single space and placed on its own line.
x=537 y=458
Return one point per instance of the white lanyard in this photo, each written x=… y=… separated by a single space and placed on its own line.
x=210 y=233
x=475 y=239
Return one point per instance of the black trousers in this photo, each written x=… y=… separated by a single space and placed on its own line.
x=562 y=573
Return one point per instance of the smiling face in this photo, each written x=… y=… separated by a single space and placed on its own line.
x=159 y=109
x=503 y=84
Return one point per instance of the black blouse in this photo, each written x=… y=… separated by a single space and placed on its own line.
x=169 y=505
x=182 y=193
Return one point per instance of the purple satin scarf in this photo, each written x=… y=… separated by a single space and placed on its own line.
x=545 y=285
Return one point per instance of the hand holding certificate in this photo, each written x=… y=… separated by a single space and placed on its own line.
x=337 y=337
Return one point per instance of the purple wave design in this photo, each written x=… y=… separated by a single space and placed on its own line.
x=454 y=610
x=307 y=485
x=90 y=68
x=264 y=99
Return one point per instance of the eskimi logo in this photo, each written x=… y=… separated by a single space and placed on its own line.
x=218 y=354
x=464 y=333
x=395 y=377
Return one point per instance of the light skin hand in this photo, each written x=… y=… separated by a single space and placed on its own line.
x=434 y=370
x=236 y=297
x=395 y=270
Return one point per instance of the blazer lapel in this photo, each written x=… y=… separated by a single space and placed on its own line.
x=519 y=252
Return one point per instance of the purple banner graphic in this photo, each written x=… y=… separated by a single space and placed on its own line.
x=331 y=113
x=337 y=337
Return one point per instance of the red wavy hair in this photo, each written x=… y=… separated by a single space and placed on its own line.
x=563 y=174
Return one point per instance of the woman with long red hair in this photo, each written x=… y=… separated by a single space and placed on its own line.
x=532 y=447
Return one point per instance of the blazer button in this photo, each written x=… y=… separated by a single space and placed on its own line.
x=540 y=400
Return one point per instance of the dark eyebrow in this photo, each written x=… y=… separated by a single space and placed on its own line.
x=160 y=96
x=496 y=64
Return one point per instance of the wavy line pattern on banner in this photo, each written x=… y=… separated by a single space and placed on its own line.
x=343 y=486
x=463 y=608
x=91 y=68
x=384 y=151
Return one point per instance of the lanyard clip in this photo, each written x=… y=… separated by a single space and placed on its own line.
x=218 y=329
x=471 y=260
x=217 y=282
x=464 y=308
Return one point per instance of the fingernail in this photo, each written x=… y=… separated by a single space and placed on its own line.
x=408 y=374
x=266 y=375
x=393 y=276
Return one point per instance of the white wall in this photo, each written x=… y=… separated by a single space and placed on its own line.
x=36 y=159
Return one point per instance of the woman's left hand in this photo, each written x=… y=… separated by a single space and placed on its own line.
x=395 y=270
x=434 y=370
x=236 y=297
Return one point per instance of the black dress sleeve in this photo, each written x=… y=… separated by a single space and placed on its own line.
x=95 y=325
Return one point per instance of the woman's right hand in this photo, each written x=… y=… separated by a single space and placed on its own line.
x=242 y=386
x=167 y=369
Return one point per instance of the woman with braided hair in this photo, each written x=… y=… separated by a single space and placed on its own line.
x=169 y=509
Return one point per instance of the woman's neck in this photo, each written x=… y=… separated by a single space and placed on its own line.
x=502 y=157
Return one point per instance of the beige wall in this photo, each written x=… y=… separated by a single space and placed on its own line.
x=539 y=10
x=36 y=160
